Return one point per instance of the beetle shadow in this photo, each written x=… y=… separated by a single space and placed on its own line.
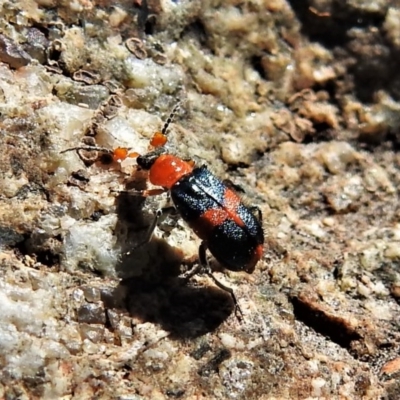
x=178 y=307
x=151 y=286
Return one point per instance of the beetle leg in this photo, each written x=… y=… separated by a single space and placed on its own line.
x=160 y=215
x=192 y=272
x=205 y=266
x=150 y=230
x=256 y=212
x=142 y=193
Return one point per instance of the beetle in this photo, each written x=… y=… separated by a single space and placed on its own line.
x=212 y=208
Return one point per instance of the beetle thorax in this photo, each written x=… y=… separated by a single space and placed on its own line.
x=168 y=169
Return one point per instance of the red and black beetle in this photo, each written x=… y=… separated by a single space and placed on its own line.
x=229 y=229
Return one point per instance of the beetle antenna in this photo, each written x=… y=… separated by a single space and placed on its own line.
x=171 y=117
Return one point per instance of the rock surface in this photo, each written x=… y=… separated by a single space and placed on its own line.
x=296 y=102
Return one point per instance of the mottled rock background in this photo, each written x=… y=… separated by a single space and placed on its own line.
x=296 y=101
